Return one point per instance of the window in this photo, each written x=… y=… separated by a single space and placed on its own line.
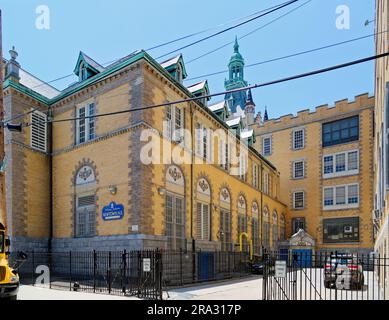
x=298 y=200
x=298 y=169
x=266 y=235
x=203 y=220
x=297 y=224
x=39 y=131
x=243 y=166
x=85 y=216
x=175 y=222
x=255 y=234
x=267 y=148
x=341 y=197
x=341 y=131
x=266 y=182
x=175 y=118
x=255 y=175
x=298 y=139
x=341 y=164
x=86 y=129
x=328 y=164
x=204 y=141
x=275 y=236
x=225 y=230
x=341 y=230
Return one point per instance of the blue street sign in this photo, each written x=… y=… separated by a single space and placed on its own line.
x=113 y=212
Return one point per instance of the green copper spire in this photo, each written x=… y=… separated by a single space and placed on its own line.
x=236 y=79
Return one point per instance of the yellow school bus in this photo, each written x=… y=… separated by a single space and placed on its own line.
x=9 y=280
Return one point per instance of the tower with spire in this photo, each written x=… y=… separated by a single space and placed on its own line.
x=236 y=80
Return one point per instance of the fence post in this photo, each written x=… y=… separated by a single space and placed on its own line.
x=109 y=271
x=124 y=262
x=94 y=270
x=70 y=267
x=181 y=271
x=33 y=268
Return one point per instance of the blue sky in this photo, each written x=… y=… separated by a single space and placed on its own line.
x=107 y=30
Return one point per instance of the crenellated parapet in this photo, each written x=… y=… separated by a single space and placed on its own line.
x=322 y=112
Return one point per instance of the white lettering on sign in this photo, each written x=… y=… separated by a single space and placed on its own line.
x=280 y=267
x=146 y=264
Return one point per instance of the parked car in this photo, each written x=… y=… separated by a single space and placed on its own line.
x=343 y=271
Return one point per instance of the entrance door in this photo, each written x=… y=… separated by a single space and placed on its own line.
x=302 y=258
x=206 y=266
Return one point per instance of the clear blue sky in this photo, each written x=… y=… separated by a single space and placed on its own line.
x=111 y=29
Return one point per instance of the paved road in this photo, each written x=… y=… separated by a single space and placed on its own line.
x=309 y=287
x=38 y=293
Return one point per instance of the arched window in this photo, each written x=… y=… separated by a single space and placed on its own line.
x=83 y=74
x=179 y=73
x=255 y=227
x=275 y=229
x=266 y=228
x=175 y=208
x=203 y=206
x=224 y=233
x=242 y=220
x=85 y=202
x=282 y=227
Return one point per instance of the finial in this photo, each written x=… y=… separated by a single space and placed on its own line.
x=266 y=116
x=13 y=53
x=236 y=45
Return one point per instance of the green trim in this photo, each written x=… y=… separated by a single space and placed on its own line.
x=141 y=55
x=81 y=57
x=17 y=86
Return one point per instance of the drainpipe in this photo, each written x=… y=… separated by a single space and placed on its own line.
x=192 y=175
x=50 y=152
x=261 y=225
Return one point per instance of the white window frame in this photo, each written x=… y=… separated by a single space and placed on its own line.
x=347 y=205
x=294 y=139
x=204 y=142
x=175 y=130
x=294 y=200
x=294 y=169
x=39 y=142
x=347 y=172
x=88 y=123
x=266 y=182
x=270 y=145
x=255 y=175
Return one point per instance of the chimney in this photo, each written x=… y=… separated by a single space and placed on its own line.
x=12 y=67
x=258 y=119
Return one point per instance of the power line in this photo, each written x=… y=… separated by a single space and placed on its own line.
x=291 y=55
x=249 y=33
x=229 y=28
x=259 y=85
x=250 y=65
x=173 y=41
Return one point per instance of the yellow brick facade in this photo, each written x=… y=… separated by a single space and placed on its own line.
x=380 y=215
x=113 y=158
x=283 y=155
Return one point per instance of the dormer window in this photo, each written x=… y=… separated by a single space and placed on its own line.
x=179 y=73
x=83 y=72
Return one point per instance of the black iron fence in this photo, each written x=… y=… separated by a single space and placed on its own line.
x=144 y=274
x=299 y=275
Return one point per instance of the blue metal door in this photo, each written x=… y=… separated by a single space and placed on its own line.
x=206 y=266
x=302 y=258
x=284 y=254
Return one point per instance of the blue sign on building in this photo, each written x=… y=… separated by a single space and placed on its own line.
x=113 y=212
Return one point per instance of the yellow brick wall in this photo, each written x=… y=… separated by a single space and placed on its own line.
x=283 y=157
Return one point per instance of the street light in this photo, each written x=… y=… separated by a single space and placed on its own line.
x=14 y=127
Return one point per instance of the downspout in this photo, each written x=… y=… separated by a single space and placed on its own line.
x=261 y=225
x=191 y=176
x=50 y=152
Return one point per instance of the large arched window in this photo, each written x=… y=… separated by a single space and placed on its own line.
x=175 y=208
x=203 y=205
x=275 y=229
x=266 y=228
x=282 y=227
x=255 y=227
x=242 y=220
x=85 y=202
x=224 y=233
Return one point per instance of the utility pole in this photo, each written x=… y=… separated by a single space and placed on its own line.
x=2 y=151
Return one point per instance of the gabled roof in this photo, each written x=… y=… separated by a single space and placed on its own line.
x=171 y=64
x=246 y=134
x=199 y=87
x=33 y=83
x=218 y=106
x=91 y=64
x=233 y=122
